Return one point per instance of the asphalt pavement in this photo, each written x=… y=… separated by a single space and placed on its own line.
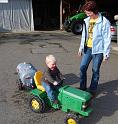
x=33 y=47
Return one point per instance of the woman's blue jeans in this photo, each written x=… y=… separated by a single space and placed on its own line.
x=49 y=91
x=96 y=63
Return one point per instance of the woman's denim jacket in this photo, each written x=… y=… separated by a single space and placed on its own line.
x=101 y=36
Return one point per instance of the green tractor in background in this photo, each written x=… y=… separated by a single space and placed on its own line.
x=75 y=23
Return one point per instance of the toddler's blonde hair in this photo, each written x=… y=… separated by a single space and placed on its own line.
x=50 y=58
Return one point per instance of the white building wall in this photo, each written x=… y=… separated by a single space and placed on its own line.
x=16 y=16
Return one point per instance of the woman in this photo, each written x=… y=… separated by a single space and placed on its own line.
x=95 y=45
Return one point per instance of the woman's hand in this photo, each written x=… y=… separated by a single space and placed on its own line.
x=79 y=53
x=105 y=58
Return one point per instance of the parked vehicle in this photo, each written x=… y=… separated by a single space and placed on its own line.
x=113 y=29
x=75 y=23
x=73 y=101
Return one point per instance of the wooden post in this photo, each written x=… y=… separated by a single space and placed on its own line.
x=61 y=23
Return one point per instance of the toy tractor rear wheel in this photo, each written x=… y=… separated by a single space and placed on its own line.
x=77 y=27
x=71 y=119
x=37 y=104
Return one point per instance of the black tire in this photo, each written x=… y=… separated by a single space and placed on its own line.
x=19 y=84
x=37 y=104
x=66 y=25
x=67 y=29
x=71 y=119
x=77 y=27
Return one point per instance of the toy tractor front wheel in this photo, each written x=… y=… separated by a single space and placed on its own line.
x=77 y=27
x=71 y=119
x=37 y=104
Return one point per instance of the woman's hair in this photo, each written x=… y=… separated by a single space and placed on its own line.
x=50 y=58
x=90 y=6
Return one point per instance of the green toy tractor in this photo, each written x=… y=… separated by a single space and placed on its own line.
x=71 y=100
x=75 y=23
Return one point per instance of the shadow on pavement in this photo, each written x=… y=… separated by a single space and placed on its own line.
x=71 y=79
x=105 y=104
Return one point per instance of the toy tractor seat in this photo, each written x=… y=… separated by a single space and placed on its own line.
x=37 y=78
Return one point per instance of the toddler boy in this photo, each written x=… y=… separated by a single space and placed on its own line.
x=52 y=78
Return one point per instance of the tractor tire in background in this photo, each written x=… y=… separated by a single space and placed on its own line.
x=66 y=26
x=77 y=27
x=67 y=29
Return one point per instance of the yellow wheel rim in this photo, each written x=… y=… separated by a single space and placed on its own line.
x=71 y=121
x=35 y=104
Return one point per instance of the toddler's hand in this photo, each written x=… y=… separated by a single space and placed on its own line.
x=55 y=83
